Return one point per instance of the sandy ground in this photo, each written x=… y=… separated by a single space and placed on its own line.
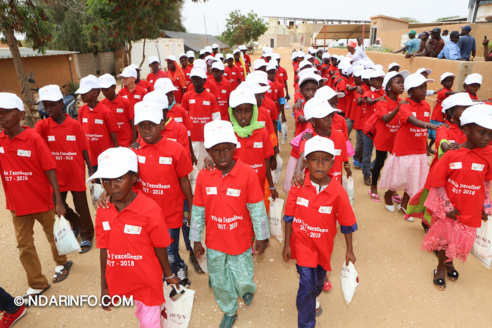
x=395 y=289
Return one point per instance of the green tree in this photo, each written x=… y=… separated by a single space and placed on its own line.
x=25 y=16
x=241 y=29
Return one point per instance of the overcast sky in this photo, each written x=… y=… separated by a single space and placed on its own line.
x=216 y=11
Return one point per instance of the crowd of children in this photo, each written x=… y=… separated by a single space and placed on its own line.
x=193 y=149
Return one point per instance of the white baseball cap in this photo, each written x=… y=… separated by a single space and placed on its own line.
x=257 y=64
x=236 y=51
x=50 y=92
x=390 y=66
x=183 y=55
x=153 y=59
x=347 y=69
x=242 y=47
x=200 y=63
x=10 y=101
x=198 y=72
x=114 y=163
x=327 y=93
x=473 y=78
x=294 y=55
x=229 y=56
x=390 y=75
x=301 y=54
x=427 y=70
x=309 y=77
x=377 y=73
x=215 y=46
x=135 y=66
x=147 y=110
x=271 y=66
x=107 y=81
x=334 y=56
x=208 y=49
x=190 y=53
x=218 y=65
x=88 y=83
x=276 y=56
x=415 y=80
x=318 y=143
x=458 y=99
x=267 y=52
x=157 y=96
x=318 y=107
x=366 y=74
x=446 y=75
x=258 y=76
x=326 y=55
x=242 y=96
x=202 y=51
x=219 y=55
x=305 y=63
x=378 y=67
x=210 y=58
x=309 y=56
x=128 y=72
x=217 y=132
x=479 y=114
x=254 y=86
x=164 y=85
x=310 y=49
x=171 y=57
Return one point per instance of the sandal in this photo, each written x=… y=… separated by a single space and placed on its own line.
x=33 y=293
x=367 y=181
x=62 y=272
x=327 y=286
x=453 y=275
x=195 y=263
x=318 y=310
x=85 y=246
x=440 y=284
x=396 y=199
x=374 y=197
x=76 y=232
x=228 y=321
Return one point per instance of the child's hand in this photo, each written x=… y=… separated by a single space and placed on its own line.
x=485 y=217
x=135 y=145
x=287 y=253
x=103 y=201
x=60 y=209
x=403 y=102
x=194 y=161
x=260 y=246
x=274 y=194
x=106 y=298
x=348 y=170
x=454 y=146
x=349 y=257
x=209 y=164
x=198 y=248
x=273 y=163
x=453 y=214
x=174 y=280
x=298 y=179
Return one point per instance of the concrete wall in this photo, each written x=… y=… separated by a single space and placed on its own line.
x=161 y=48
x=105 y=63
x=45 y=70
x=85 y=65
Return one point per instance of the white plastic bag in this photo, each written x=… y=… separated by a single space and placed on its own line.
x=348 y=185
x=482 y=247
x=278 y=170
x=276 y=209
x=284 y=132
x=64 y=238
x=177 y=314
x=96 y=190
x=349 y=280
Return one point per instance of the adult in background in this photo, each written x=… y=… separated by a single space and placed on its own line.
x=486 y=54
x=451 y=50
x=445 y=37
x=360 y=43
x=422 y=51
x=435 y=43
x=411 y=45
x=354 y=53
x=467 y=43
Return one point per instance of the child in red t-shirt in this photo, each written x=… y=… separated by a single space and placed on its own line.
x=177 y=75
x=228 y=202
x=30 y=185
x=280 y=102
x=472 y=84
x=157 y=73
x=68 y=145
x=459 y=197
x=231 y=72
x=132 y=236
x=123 y=111
x=141 y=83
x=317 y=206
x=409 y=154
x=224 y=89
x=130 y=91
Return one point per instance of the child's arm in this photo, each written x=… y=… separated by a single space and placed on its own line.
x=371 y=102
x=134 y=131
x=194 y=160
x=349 y=256
x=421 y=124
x=87 y=160
x=352 y=88
x=197 y=225
x=287 y=252
x=257 y=212
x=169 y=276
x=59 y=207
x=391 y=115
x=113 y=138
x=103 y=257
x=271 y=185
x=185 y=184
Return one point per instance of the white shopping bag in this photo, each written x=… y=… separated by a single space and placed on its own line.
x=349 y=280
x=348 y=185
x=203 y=261
x=482 y=247
x=284 y=132
x=64 y=238
x=276 y=215
x=96 y=190
x=276 y=173
x=177 y=313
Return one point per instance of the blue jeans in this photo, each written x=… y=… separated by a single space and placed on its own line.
x=311 y=282
x=7 y=302
x=359 y=145
x=175 y=260
x=185 y=228
x=350 y=125
x=366 y=157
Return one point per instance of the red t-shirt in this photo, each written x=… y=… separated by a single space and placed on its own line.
x=23 y=162
x=177 y=132
x=271 y=108
x=272 y=93
x=371 y=109
x=224 y=90
x=437 y=114
x=200 y=107
x=451 y=134
x=314 y=225
x=159 y=168
x=67 y=143
x=132 y=268
x=411 y=140
x=145 y=85
x=187 y=72
x=247 y=59
x=279 y=90
x=386 y=132
x=240 y=70
x=210 y=87
x=151 y=77
x=283 y=73
x=338 y=123
x=97 y=125
x=179 y=114
x=473 y=97
x=178 y=94
x=342 y=87
x=265 y=119
x=133 y=97
x=300 y=127
x=228 y=224
x=123 y=113
x=232 y=75
x=463 y=172
x=360 y=116
x=254 y=150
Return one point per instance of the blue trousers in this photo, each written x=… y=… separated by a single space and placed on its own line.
x=7 y=302
x=311 y=282
x=186 y=222
x=366 y=156
x=175 y=261
x=350 y=125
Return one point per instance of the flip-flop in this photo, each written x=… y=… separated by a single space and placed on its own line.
x=87 y=244
x=59 y=277
x=374 y=197
x=195 y=264
x=327 y=286
x=396 y=199
x=318 y=310
x=440 y=284
x=31 y=292
x=453 y=275
x=228 y=321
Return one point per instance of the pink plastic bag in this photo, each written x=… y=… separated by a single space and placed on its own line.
x=350 y=149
